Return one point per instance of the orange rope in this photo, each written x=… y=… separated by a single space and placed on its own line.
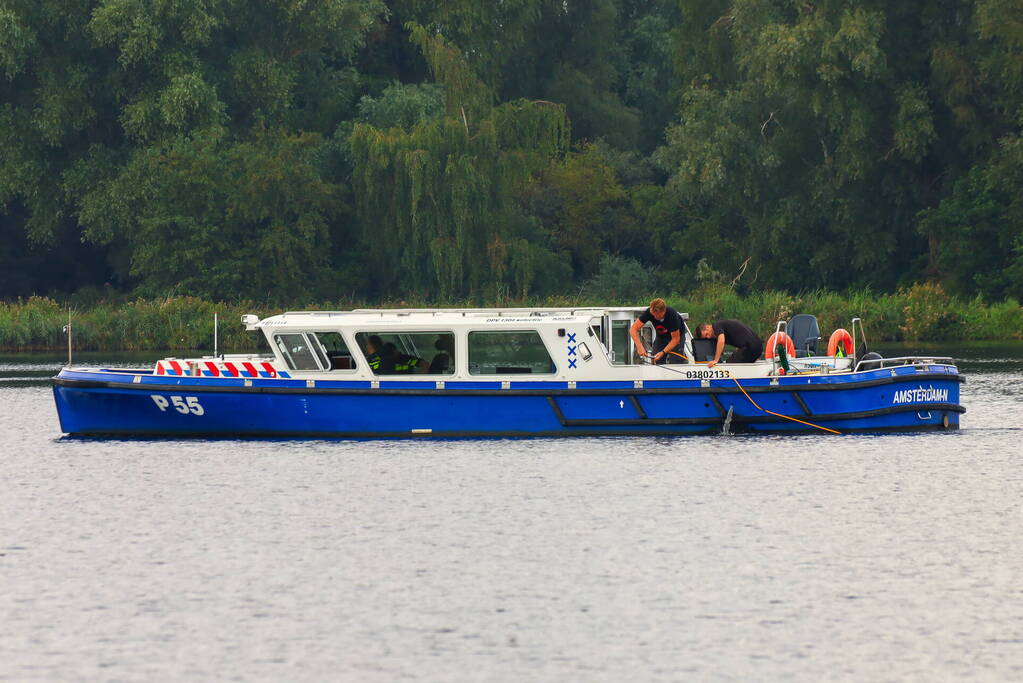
x=769 y=412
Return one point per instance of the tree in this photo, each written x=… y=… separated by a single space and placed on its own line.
x=975 y=234
x=204 y=216
x=572 y=57
x=438 y=202
x=807 y=141
x=591 y=215
x=140 y=125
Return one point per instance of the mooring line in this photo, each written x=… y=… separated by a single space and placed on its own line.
x=755 y=404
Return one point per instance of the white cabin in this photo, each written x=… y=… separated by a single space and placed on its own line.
x=589 y=344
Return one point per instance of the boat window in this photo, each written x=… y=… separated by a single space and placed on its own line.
x=338 y=357
x=501 y=353
x=405 y=353
x=296 y=351
x=621 y=340
x=318 y=351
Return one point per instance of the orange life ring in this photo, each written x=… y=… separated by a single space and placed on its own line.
x=779 y=338
x=842 y=337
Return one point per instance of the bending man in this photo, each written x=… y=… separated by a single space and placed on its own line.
x=668 y=324
x=734 y=333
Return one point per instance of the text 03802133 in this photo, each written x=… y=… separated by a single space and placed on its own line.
x=186 y=405
x=706 y=374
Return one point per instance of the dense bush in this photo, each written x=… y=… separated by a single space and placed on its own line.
x=171 y=323
x=919 y=313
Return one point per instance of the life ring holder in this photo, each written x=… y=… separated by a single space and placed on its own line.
x=841 y=336
x=776 y=339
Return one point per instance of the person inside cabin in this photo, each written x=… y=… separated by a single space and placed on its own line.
x=394 y=363
x=733 y=333
x=373 y=348
x=668 y=324
x=441 y=363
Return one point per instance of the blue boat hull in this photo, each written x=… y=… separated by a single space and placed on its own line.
x=119 y=403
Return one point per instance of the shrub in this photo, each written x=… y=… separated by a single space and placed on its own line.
x=923 y=312
x=620 y=279
x=928 y=314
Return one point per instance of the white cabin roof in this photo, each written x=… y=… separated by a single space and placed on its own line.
x=419 y=317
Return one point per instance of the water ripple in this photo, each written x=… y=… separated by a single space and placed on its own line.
x=853 y=558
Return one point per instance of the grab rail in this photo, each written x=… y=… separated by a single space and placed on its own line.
x=904 y=360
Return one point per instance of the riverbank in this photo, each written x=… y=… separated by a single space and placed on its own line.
x=920 y=313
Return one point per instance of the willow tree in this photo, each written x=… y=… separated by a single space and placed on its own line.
x=439 y=202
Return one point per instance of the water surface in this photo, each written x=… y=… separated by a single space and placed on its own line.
x=807 y=557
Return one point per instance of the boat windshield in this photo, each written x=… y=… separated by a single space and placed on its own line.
x=338 y=357
x=297 y=351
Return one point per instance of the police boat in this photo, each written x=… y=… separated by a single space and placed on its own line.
x=506 y=372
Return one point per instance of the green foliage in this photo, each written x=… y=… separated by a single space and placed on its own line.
x=1003 y=320
x=206 y=217
x=928 y=315
x=621 y=279
x=402 y=106
x=589 y=215
x=184 y=323
x=646 y=30
x=491 y=33
x=976 y=232
x=575 y=55
x=920 y=313
x=168 y=132
x=35 y=322
x=15 y=42
x=438 y=201
x=810 y=134
x=466 y=150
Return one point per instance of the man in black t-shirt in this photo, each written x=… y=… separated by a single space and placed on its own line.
x=668 y=324
x=734 y=333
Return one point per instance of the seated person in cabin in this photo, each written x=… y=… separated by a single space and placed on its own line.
x=734 y=333
x=372 y=350
x=668 y=324
x=394 y=363
x=441 y=363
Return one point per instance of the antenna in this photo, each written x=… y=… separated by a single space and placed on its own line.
x=214 y=334
x=67 y=330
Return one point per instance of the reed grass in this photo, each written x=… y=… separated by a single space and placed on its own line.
x=924 y=312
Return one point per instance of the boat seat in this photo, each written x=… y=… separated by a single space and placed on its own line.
x=703 y=350
x=340 y=362
x=440 y=365
x=805 y=333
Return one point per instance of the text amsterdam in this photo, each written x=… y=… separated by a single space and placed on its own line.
x=921 y=395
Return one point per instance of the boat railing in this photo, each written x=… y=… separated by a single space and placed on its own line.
x=879 y=363
x=538 y=312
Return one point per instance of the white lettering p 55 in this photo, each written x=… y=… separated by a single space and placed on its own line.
x=182 y=404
